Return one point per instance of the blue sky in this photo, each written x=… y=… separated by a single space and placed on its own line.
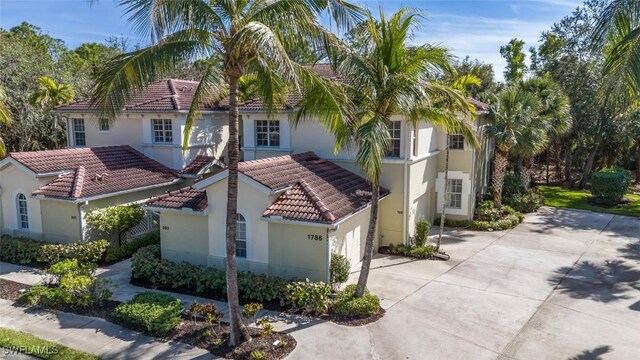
x=467 y=27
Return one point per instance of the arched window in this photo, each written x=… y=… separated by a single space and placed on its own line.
x=241 y=236
x=23 y=212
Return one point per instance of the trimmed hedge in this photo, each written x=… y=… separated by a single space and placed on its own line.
x=158 y=313
x=20 y=250
x=128 y=248
x=526 y=203
x=608 y=186
x=347 y=304
x=29 y=251
x=488 y=218
x=146 y=264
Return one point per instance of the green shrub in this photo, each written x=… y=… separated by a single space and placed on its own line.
x=114 y=253
x=251 y=310
x=489 y=218
x=114 y=220
x=84 y=252
x=512 y=185
x=131 y=246
x=525 y=203
x=339 y=270
x=485 y=211
x=20 y=250
x=308 y=297
x=261 y=288
x=158 y=313
x=422 y=232
x=608 y=186
x=42 y=295
x=419 y=252
x=347 y=304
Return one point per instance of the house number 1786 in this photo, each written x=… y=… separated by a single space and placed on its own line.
x=314 y=237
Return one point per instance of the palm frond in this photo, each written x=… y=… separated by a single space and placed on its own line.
x=211 y=84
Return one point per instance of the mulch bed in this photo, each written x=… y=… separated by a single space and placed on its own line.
x=10 y=290
x=189 y=332
x=353 y=320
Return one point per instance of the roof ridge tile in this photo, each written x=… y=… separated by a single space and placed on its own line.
x=308 y=190
x=78 y=182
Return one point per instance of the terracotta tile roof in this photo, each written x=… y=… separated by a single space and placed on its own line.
x=197 y=165
x=89 y=172
x=187 y=197
x=321 y=191
x=163 y=95
x=480 y=106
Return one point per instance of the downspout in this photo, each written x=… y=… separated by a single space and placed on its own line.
x=474 y=174
x=328 y=259
x=406 y=186
x=81 y=219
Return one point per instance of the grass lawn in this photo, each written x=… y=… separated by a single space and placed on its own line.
x=578 y=199
x=23 y=342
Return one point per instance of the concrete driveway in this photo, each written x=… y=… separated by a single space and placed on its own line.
x=563 y=285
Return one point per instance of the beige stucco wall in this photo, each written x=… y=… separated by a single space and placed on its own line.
x=60 y=221
x=14 y=181
x=350 y=237
x=251 y=204
x=422 y=179
x=299 y=251
x=184 y=237
x=125 y=130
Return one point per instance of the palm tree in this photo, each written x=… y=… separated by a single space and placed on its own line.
x=462 y=84
x=554 y=120
x=511 y=116
x=249 y=37
x=4 y=119
x=388 y=77
x=50 y=95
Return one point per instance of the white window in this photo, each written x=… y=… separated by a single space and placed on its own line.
x=456 y=142
x=454 y=193
x=394 y=142
x=103 y=125
x=79 y=138
x=268 y=133
x=162 y=131
x=23 y=212
x=241 y=236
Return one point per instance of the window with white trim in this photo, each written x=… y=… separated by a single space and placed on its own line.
x=456 y=142
x=79 y=135
x=241 y=236
x=454 y=193
x=394 y=141
x=268 y=133
x=162 y=131
x=22 y=211
x=104 y=125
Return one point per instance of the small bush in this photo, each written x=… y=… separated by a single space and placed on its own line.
x=259 y=287
x=422 y=232
x=130 y=247
x=20 y=250
x=308 y=297
x=158 y=313
x=489 y=218
x=251 y=310
x=486 y=212
x=347 y=304
x=419 y=252
x=84 y=252
x=512 y=185
x=608 y=186
x=339 y=270
x=527 y=202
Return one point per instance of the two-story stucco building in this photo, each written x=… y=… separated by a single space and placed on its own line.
x=192 y=219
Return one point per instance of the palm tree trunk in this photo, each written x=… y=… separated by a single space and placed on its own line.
x=238 y=328
x=528 y=170
x=444 y=202
x=568 y=165
x=499 y=167
x=588 y=168
x=547 y=158
x=368 y=247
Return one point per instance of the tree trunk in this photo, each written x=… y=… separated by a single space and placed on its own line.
x=547 y=158
x=55 y=131
x=517 y=169
x=568 y=165
x=499 y=167
x=588 y=168
x=238 y=329
x=528 y=170
x=444 y=202
x=368 y=247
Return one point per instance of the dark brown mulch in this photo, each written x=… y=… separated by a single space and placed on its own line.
x=10 y=290
x=353 y=320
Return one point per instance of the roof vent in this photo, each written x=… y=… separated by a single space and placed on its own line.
x=99 y=177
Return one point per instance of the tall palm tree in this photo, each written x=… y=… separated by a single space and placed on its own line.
x=554 y=120
x=462 y=84
x=4 y=119
x=388 y=77
x=249 y=37
x=511 y=116
x=50 y=95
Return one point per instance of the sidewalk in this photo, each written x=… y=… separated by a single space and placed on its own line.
x=93 y=335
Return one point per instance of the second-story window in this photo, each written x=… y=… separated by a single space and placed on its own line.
x=103 y=125
x=456 y=142
x=79 y=138
x=268 y=133
x=394 y=141
x=162 y=131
